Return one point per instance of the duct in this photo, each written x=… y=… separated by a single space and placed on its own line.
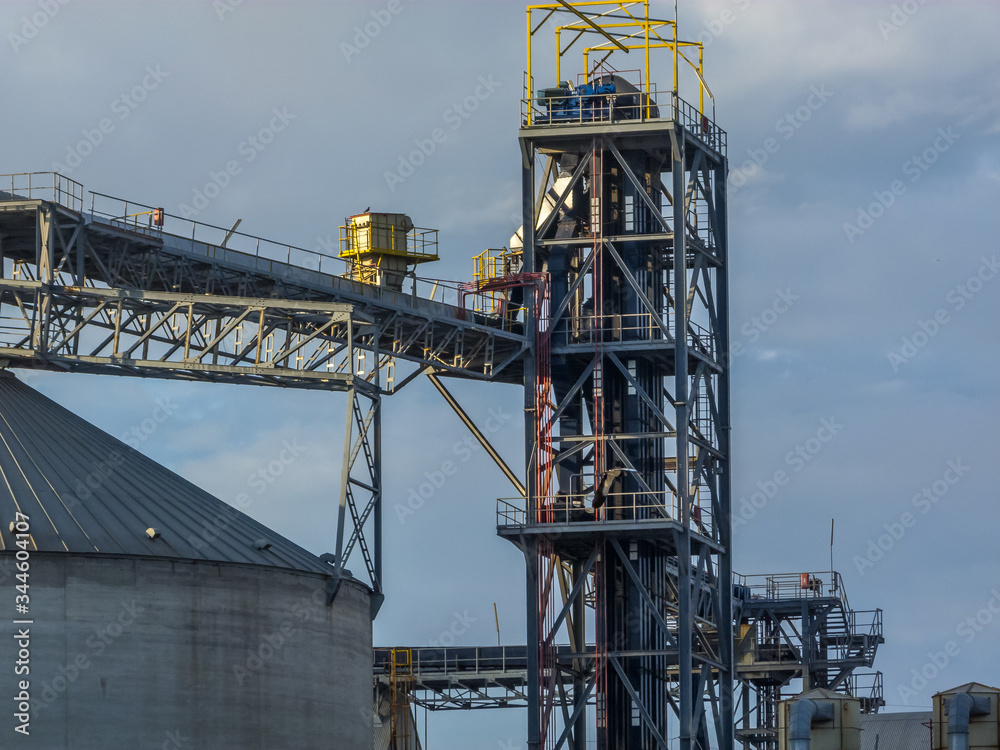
x=552 y=197
x=800 y=720
x=960 y=708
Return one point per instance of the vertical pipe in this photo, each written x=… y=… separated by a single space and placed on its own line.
x=529 y=93
x=377 y=462
x=676 y=61
x=648 y=104
x=724 y=522
x=685 y=619
x=746 y=713
x=701 y=78
x=529 y=545
x=807 y=648
x=580 y=636
x=960 y=709
x=558 y=55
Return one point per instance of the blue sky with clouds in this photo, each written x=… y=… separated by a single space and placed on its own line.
x=864 y=139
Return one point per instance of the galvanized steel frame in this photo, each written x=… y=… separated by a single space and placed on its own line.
x=90 y=250
x=808 y=634
x=67 y=310
x=692 y=606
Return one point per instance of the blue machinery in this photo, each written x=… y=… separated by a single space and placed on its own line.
x=607 y=98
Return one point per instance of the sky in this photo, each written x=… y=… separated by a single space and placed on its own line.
x=864 y=144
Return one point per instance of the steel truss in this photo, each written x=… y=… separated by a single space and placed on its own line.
x=628 y=447
x=82 y=295
x=54 y=241
x=448 y=679
x=798 y=632
x=197 y=337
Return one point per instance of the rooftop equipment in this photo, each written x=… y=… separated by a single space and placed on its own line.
x=820 y=720
x=383 y=249
x=966 y=717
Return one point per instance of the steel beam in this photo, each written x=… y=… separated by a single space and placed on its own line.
x=484 y=441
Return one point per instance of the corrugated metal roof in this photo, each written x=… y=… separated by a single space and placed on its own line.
x=970 y=687
x=88 y=492
x=896 y=731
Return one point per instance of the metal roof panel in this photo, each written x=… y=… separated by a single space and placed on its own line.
x=87 y=492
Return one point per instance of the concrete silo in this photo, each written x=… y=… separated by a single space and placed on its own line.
x=157 y=615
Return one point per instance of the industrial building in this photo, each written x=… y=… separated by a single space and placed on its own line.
x=609 y=307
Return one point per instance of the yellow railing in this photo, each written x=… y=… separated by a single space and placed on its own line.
x=418 y=245
x=624 y=28
x=400 y=676
x=490 y=266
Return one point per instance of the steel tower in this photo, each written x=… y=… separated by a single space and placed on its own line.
x=624 y=279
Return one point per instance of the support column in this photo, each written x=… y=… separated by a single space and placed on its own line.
x=685 y=613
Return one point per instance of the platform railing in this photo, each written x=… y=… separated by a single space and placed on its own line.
x=622 y=109
x=433 y=661
x=866 y=687
x=631 y=506
x=795 y=585
x=122 y=213
x=50 y=186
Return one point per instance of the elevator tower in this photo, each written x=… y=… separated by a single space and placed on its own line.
x=623 y=282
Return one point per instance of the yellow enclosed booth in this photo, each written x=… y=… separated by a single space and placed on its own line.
x=383 y=249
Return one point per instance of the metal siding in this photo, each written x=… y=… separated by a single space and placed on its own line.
x=896 y=731
x=128 y=652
